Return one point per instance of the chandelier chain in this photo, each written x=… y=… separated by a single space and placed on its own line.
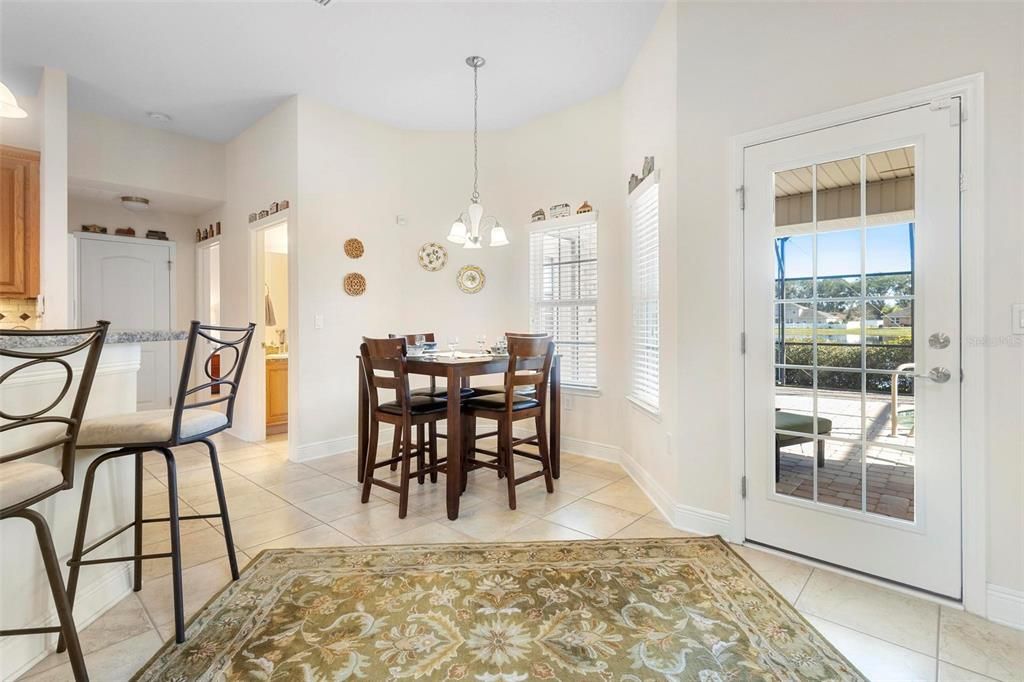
x=476 y=144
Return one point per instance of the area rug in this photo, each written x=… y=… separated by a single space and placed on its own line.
x=623 y=610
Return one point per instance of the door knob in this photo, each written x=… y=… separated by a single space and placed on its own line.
x=939 y=375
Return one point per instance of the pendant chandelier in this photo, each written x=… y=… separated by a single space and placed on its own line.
x=467 y=228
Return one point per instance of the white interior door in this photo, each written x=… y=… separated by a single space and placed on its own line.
x=129 y=283
x=852 y=370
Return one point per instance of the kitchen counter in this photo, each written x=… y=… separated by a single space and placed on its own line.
x=121 y=336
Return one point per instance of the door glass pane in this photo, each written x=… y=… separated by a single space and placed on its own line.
x=844 y=332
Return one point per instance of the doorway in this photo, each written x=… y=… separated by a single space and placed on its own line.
x=852 y=319
x=275 y=327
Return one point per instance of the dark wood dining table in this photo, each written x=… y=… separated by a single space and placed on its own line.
x=457 y=372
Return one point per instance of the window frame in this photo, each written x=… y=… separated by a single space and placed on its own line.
x=552 y=225
x=642 y=400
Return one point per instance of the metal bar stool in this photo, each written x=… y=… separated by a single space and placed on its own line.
x=529 y=365
x=22 y=484
x=158 y=431
x=389 y=355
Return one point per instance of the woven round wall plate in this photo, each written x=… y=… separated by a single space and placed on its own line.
x=355 y=284
x=433 y=257
x=354 y=248
x=470 y=279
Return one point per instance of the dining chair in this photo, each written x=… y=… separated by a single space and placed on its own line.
x=526 y=390
x=23 y=483
x=389 y=356
x=529 y=365
x=136 y=433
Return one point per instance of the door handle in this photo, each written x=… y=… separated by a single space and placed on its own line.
x=939 y=375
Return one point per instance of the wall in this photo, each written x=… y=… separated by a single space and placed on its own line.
x=747 y=89
x=53 y=200
x=23 y=132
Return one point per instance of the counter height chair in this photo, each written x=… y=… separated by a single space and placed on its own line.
x=525 y=390
x=407 y=410
x=529 y=365
x=24 y=483
x=189 y=421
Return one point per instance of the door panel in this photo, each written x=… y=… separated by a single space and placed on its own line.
x=851 y=262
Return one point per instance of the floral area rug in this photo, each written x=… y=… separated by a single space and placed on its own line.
x=617 y=610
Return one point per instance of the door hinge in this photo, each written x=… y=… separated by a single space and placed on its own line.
x=948 y=103
x=743 y=487
x=743 y=343
x=168 y=265
x=963 y=182
x=741 y=197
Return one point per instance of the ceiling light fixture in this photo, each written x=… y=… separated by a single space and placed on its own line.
x=9 y=105
x=135 y=203
x=466 y=228
x=159 y=116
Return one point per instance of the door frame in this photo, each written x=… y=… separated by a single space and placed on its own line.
x=974 y=518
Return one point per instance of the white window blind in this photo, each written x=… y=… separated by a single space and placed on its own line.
x=646 y=327
x=563 y=296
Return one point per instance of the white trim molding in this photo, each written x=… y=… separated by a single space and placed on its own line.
x=1006 y=606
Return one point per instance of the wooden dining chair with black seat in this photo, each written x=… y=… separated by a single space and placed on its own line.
x=24 y=483
x=406 y=411
x=525 y=390
x=190 y=420
x=529 y=365
x=433 y=390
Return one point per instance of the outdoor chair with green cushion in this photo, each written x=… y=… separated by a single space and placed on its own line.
x=800 y=423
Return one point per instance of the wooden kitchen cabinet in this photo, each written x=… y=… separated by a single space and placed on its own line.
x=19 y=222
x=277 y=395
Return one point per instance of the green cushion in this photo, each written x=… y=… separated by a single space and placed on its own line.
x=801 y=423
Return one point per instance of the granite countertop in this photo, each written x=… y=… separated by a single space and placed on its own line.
x=120 y=336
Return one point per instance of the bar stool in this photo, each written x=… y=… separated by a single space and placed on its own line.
x=529 y=365
x=433 y=390
x=524 y=390
x=158 y=431
x=22 y=484
x=408 y=410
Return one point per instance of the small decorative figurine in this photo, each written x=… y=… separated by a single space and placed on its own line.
x=648 y=166
x=584 y=208
x=274 y=208
x=633 y=182
x=282 y=204
x=218 y=228
x=253 y=217
x=125 y=232
x=263 y=214
x=199 y=235
x=538 y=216
x=560 y=211
x=206 y=234
x=156 y=234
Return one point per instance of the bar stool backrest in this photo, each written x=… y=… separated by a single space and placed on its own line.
x=411 y=338
x=388 y=356
x=88 y=340
x=529 y=364
x=228 y=342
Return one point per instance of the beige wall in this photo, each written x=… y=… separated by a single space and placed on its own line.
x=745 y=66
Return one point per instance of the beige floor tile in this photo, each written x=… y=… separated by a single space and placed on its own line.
x=333 y=463
x=186 y=458
x=570 y=460
x=152 y=485
x=116 y=662
x=431 y=500
x=593 y=518
x=317 y=536
x=577 y=483
x=200 y=583
x=225 y=441
x=545 y=530
x=249 y=452
x=489 y=523
x=877 y=659
x=539 y=501
x=198 y=494
x=624 y=494
x=262 y=528
x=348 y=474
x=268 y=473
x=155 y=532
x=432 y=533
x=787 y=577
x=307 y=488
x=196 y=548
x=338 y=504
x=241 y=506
x=904 y=620
x=651 y=527
x=981 y=646
x=951 y=673
x=376 y=525
x=200 y=476
x=596 y=467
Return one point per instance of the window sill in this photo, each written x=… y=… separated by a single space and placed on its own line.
x=582 y=390
x=643 y=407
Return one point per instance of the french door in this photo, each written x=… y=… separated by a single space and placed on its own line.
x=852 y=369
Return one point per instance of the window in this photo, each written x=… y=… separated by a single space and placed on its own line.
x=646 y=344
x=563 y=295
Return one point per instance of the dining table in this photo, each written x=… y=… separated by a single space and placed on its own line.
x=457 y=367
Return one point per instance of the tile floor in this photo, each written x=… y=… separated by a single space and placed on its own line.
x=276 y=503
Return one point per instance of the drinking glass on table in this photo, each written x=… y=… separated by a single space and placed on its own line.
x=453 y=343
x=481 y=342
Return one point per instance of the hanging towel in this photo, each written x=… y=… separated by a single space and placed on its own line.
x=271 y=320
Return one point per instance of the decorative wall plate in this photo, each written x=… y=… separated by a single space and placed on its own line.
x=433 y=257
x=354 y=248
x=470 y=279
x=355 y=284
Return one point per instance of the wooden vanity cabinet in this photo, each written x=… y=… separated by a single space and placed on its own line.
x=19 y=222
x=277 y=395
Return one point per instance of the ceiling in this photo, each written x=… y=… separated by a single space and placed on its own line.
x=216 y=67
x=887 y=165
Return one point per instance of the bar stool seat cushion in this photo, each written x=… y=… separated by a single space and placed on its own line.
x=440 y=392
x=497 y=402
x=148 y=426
x=20 y=481
x=419 y=404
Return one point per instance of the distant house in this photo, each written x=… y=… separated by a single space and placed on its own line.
x=802 y=315
x=900 y=317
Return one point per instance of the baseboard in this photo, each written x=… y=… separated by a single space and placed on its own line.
x=578 y=446
x=661 y=499
x=337 y=446
x=701 y=521
x=1005 y=606
x=97 y=596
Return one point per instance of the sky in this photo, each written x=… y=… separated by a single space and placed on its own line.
x=888 y=250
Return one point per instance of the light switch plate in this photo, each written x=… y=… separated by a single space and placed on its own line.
x=318 y=321
x=1017 y=325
